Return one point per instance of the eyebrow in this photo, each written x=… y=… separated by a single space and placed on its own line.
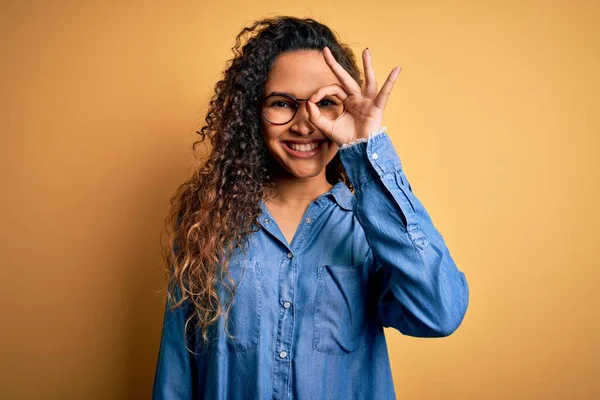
x=284 y=94
x=280 y=93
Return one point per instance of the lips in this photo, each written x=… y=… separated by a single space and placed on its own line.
x=303 y=146
x=306 y=149
x=304 y=141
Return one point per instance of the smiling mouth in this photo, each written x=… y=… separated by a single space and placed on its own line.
x=303 y=150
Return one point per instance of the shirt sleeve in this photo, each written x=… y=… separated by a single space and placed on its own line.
x=374 y=132
x=421 y=291
x=173 y=377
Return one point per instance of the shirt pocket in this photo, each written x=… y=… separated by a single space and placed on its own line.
x=243 y=321
x=341 y=322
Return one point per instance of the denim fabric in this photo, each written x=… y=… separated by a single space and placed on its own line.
x=308 y=316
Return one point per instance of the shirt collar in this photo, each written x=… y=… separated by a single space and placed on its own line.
x=342 y=195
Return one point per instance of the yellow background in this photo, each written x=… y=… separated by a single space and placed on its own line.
x=495 y=116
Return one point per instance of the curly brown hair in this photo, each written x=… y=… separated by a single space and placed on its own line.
x=215 y=210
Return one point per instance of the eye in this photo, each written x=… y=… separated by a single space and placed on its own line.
x=326 y=103
x=280 y=103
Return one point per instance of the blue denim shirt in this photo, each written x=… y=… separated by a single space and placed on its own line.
x=308 y=316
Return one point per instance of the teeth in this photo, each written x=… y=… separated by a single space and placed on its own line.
x=304 y=147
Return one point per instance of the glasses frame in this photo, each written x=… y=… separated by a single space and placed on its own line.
x=297 y=105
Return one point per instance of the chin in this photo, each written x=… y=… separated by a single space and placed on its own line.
x=305 y=174
x=299 y=172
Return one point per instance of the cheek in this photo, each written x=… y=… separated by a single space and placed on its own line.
x=270 y=142
x=333 y=149
x=270 y=132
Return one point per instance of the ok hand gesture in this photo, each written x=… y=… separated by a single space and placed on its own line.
x=364 y=106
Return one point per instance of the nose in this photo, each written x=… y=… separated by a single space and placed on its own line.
x=301 y=122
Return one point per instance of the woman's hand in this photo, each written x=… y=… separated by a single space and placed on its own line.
x=364 y=107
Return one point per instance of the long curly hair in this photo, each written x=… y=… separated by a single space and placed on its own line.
x=216 y=209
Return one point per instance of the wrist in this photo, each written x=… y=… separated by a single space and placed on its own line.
x=369 y=135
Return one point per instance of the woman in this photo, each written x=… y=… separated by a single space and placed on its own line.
x=300 y=238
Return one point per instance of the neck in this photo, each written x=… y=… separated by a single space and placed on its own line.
x=299 y=192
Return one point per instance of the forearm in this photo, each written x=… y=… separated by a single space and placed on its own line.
x=422 y=293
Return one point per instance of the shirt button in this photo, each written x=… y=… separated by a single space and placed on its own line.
x=287 y=304
x=290 y=255
x=267 y=220
x=308 y=220
x=283 y=354
x=374 y=156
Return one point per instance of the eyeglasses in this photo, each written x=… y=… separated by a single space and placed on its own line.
x=279 y=109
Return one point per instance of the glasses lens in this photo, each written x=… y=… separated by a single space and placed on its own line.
x=279 y=109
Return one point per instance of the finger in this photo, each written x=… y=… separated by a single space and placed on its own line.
x=344 y=77
x=314 y=115
x=370 y=89
x=382 y=98
x=331 y=90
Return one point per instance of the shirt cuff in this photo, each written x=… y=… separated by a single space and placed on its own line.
x=361 y=140
x=371 y=159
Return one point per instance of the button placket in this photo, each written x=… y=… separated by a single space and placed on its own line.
x=286 y=321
